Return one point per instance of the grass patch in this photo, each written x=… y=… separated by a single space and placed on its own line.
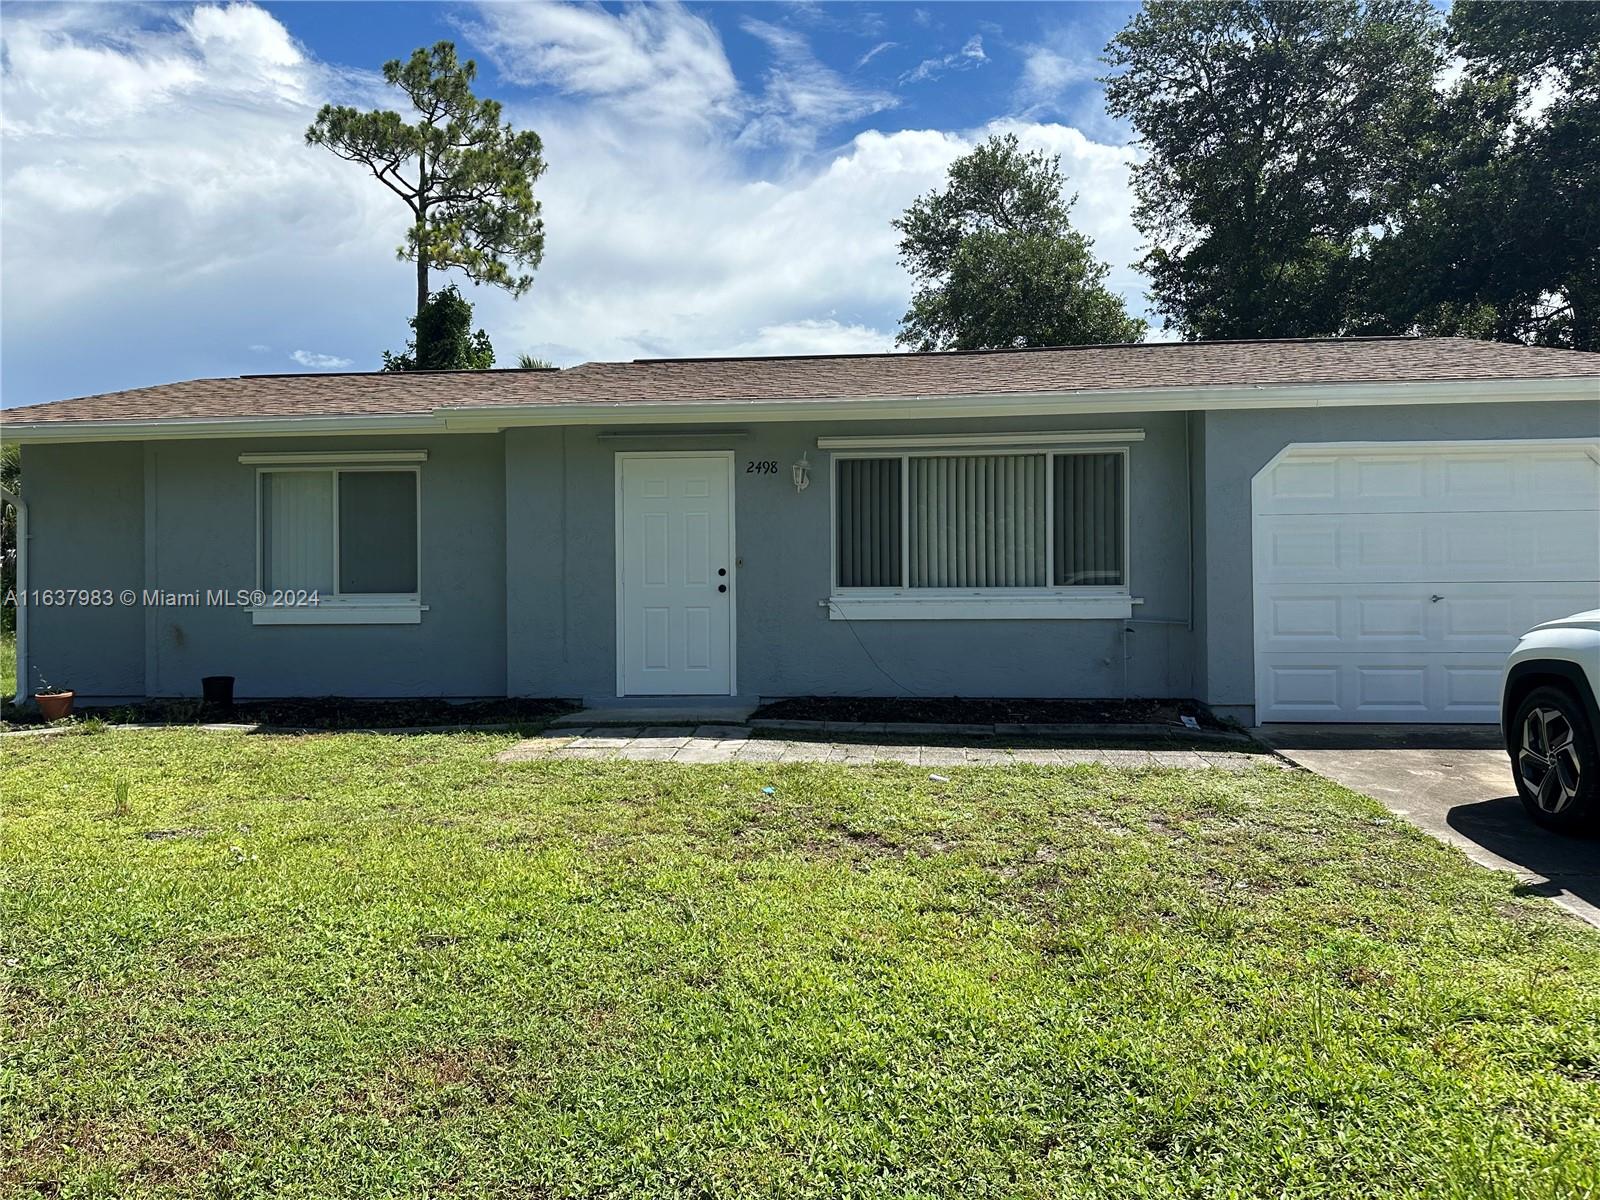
x=324 y=713
x=358 y=965
x=8 y=665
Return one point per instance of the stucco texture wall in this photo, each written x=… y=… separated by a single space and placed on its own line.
x=561 y=634
x=86 y=532
x=180 y=517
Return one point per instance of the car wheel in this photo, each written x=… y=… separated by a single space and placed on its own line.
x=1555 y=761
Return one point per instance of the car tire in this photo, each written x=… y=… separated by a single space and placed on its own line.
x=1555 y=761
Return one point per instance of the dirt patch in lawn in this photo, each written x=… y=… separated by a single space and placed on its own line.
x=960 y=710
x=328 y=712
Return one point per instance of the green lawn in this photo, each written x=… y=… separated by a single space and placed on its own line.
x=369 y=966
x=8 y=665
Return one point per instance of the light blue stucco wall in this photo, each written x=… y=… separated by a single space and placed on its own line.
x=86 y=532
x=518 y=565
x=1236 y=445
x=561 y=637
x=180 y=517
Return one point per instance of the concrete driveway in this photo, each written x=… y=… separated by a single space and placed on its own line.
x=1454 y=781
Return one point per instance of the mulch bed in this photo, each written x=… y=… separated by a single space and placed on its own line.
x=959 y=710
x=330 y=712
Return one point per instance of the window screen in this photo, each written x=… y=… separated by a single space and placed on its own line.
x=377 y=531
x=868 y=509
x=1088 y=520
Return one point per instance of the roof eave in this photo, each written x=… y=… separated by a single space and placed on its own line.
x=1085 y=401
x=493 y=418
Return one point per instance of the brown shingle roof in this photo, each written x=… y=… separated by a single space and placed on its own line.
x=834 y=377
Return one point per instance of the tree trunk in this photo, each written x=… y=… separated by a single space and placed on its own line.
x=422 y=231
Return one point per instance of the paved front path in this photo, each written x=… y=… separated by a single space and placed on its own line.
x=732 y=743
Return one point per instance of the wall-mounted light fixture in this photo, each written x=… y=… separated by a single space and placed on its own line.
x=802 y=474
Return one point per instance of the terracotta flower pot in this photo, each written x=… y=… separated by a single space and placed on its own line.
x=55 y=705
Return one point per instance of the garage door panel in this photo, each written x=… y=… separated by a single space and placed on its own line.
x=1391 y=583
x=1561 y=546
x=1363 y=618
x=1453 y=480
x=1426 y=688
x=1565 y=479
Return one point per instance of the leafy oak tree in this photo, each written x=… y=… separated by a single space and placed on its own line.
x=11 y=481
x=1272 y=133
x=443 y=339
x=998 y=263
x=466 y=178
x=1497 y=233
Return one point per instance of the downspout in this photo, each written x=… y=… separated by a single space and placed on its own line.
x=21 y=505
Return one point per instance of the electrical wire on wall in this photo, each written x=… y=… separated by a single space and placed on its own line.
x=835 y=611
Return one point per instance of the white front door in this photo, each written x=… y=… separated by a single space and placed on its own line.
x=675 y=574
x=1392 y=581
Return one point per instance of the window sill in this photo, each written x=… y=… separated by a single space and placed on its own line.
x=980 y=608
x=342 y=612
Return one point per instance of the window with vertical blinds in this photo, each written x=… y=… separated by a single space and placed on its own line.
x=1088 y=520
x=868 y=509
x=979 y=522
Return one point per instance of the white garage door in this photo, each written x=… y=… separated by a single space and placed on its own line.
x=1391 y=582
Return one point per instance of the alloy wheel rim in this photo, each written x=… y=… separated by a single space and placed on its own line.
x=1547 y=759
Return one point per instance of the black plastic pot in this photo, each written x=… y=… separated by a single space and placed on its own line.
x=217 y=690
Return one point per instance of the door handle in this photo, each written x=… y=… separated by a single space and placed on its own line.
x=1435 y=598
x=722 y=570
x=722 y=587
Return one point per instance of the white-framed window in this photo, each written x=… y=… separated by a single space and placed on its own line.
x=345 y=533
x=993 y=533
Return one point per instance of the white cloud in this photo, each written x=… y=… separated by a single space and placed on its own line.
x=801 y=96
x=183 y=222
x=658 y=61
x=1047 y=72
x=662 y=66
x=153 y=175
x=677 y=253
x=811 y=336
x=320 y=362
x=874 y=52
x=1060 y=82
x=970 y=55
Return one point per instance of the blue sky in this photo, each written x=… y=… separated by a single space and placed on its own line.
x=721 y=177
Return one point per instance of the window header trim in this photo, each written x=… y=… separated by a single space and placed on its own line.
x=335 y=458
x=916 y=441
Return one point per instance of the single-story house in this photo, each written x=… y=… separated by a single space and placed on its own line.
x=1328 y=530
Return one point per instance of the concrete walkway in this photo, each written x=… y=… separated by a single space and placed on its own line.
x=1453 y=781
x=734 y=743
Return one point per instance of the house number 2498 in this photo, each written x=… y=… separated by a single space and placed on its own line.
x=761 y=466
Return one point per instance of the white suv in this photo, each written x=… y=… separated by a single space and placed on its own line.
x=1552 y=724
